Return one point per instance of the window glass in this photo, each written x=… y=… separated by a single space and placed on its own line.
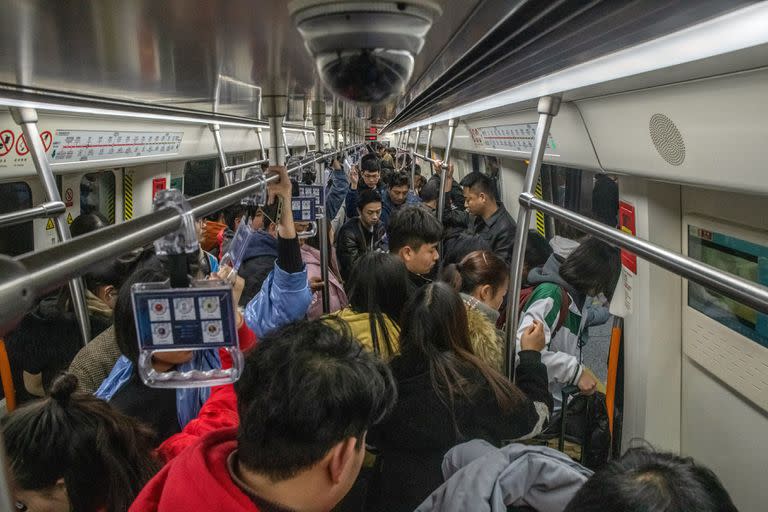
x=18 y=239
x=97 y=194
x=200 y=177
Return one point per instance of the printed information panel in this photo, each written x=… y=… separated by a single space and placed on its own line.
x=185 y=318
x=85 y=145
x=512 y=137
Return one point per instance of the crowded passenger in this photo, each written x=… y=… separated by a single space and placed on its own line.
x=310 y=255
x=378 y=289
x=482 y=278
x=396 y=196
x=307 y=396
x=447 y=394
x=558 y=302
x=492 y=221
x=219 y=229
x=644 y=480
x=260 y=254
x=414 y=235
x=361 y=234
x=537 y=252
x=366 y=177
x=72 y=451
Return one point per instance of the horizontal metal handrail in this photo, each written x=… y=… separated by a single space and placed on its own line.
x=40 y=272
x=246 y=165
x=737 y=288
x=48 y=209
x=423 y=157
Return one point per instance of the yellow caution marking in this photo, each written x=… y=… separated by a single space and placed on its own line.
x=49 y=225
x=540 y=226
x=69 y=218
x=128 y=196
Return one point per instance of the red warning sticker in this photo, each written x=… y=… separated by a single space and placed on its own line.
x=47 y=139
x=21 y=146
x=7 y=138
x=68 y=195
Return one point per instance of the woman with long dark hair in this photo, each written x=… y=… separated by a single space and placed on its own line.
x=448 y=395
x=72 y=451
x=377 y=289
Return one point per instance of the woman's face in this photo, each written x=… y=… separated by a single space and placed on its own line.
x=489 y=297
x=53 y=499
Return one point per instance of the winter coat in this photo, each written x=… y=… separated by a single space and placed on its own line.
x=94 y=361
x=482 y=478
x=360 y=324
x=258 y=260
x=486 y=340
x=414 y=437
x=562 y=355
x=353 y=241
x=353 y=194
x=198 y=479
x=338 y=188
x=388 y=208
x=498 y=231
x=311 y=258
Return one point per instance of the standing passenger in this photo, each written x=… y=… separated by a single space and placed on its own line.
x=361 y=234
x=413 y=235
x=310 y=254
x=396 y=196
x=591 y=269
x=367 y=178
x=492 y=221
x=448 y=395
x=260 y=254
x=307 y=396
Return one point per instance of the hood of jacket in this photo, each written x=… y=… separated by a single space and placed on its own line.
x=360 y=325
x=197 y=479
x=483 y=478
x=562 y=246
x=260 y=244
x=483 y=336
x=550 y=273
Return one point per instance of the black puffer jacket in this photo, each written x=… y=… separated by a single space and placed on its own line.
x=499 y=231
x=258 y=261
x=353 y=240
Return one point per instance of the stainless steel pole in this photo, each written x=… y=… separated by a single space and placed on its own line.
x=446 y=159
x=261 y=144
x=275 y=103
x=416 y=142
x=48 y=209
x=216 y=130
x=428 y=150
x=27 y=119
x=285 y=144
x=405 y=148
x=548 y=109
x=318 y=117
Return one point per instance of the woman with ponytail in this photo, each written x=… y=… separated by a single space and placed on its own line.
x=72 y=451
x=482 y=280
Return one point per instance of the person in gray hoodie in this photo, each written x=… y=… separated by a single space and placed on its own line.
x=482 y=478
x=592 y=268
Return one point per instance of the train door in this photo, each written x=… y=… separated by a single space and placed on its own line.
x=18 y=239
x=98 y=194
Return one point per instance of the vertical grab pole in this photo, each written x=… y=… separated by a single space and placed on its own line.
x=413 y=158
x=27 y=119
x=336 y=124
x=416 y=142
x=448 y=145
x=285 y=144
x=275 y=109
x=216 y=130
x=548 y=108
x=405 y=147
x=428 y=150
x=318 y=117
x=261 y=143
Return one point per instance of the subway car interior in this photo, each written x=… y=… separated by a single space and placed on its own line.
x=627 y=127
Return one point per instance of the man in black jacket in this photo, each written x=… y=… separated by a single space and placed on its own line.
x=492 y=221
x=260 y=255
x=361 y=234
x=413 y=235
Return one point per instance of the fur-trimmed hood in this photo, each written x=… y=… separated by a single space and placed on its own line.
x=483 y=336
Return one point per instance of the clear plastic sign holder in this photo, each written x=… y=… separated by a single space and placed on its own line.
x=305 y=209
x=234 y=255
x=201 y=317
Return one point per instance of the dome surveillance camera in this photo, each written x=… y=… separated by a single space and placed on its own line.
x=364 y=51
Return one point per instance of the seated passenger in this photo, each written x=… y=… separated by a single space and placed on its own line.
x=306 y=398
x=396 y=195
x=361 y=234
x=378 y=289
x=166 y=410
x=413 y=235
x=260 y=254
x=561 y=291
x=643 y=481
x=447 y=394
x=482 y=279
x=537 y=252
x=72 y=451
x=492 y=221
x=310 y=254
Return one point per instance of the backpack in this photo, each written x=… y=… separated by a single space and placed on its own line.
x=565 y=304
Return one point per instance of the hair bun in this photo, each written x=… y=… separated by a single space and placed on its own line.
x=63 y=387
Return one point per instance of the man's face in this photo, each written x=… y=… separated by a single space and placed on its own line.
x=398 y=194
x=370 y=214
x=257 y=221
x=421 y=261
x=474 y=202
x=371 y=178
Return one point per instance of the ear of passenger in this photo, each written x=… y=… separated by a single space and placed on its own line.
x=344 y=461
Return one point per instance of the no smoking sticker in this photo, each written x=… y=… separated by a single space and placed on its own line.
x=7 y=138
x=21 y=146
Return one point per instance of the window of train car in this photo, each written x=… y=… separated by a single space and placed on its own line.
x=18 y=239
x=200 y=176
x=97 y=194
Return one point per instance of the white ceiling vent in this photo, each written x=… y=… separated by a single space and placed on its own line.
x=667 y=139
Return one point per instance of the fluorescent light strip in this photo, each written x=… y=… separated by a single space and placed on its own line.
x=734 y=31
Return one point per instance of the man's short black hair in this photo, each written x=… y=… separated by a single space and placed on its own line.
x=480 y=184
x=304 y=389
x=398 y=179
x=413 y=227
x=429 y=192
x=367 y=196
x=370 y=163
